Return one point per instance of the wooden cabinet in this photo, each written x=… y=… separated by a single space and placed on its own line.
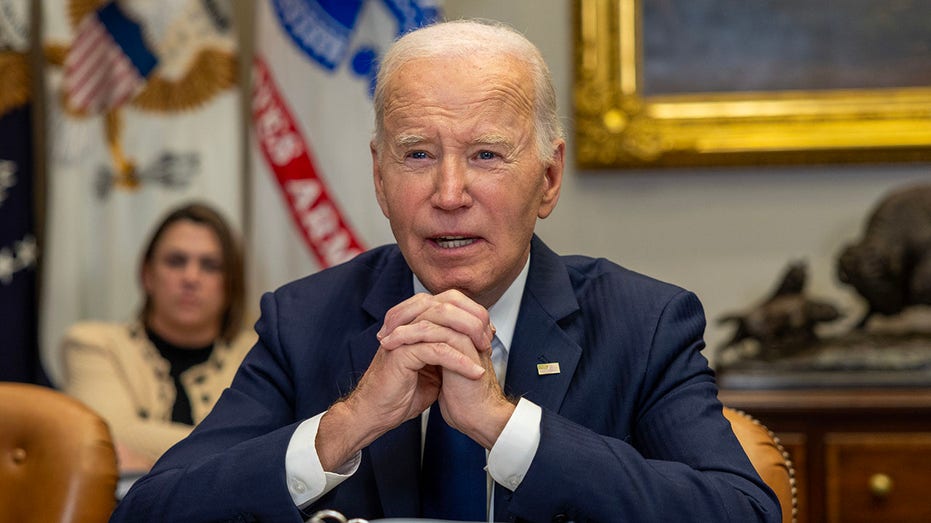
x=859 y=455
x=878 y=476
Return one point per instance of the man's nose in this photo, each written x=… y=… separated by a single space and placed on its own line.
x=451 y=189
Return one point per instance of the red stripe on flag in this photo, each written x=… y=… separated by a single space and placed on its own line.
x=98 y=74
x=323 y=226
x=93 y=76
x=86 y=49
x=124 y=82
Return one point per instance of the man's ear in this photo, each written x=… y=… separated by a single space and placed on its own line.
x=378 y=180
x=552 y=180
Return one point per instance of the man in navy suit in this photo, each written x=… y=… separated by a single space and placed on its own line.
x=583 y=380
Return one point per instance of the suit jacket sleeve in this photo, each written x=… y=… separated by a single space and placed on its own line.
x=231 y=468
x=678 y=462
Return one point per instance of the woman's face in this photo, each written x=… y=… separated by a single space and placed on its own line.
x=184 y=280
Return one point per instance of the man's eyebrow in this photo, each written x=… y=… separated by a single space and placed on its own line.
x=492 y=139
x=406 y=140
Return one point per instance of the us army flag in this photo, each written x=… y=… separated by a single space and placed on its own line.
x=19 y=350
x=313 y=203
x=144 y=115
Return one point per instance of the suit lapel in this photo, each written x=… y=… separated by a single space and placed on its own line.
x=395 y=456
x=393 y=285
x=545 y=344
x=538 y=338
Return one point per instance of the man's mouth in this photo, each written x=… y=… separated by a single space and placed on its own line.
x=453 y=242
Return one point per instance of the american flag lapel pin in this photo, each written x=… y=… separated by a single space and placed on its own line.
x=544 y=369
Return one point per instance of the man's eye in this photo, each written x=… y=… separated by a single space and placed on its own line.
x=418 y=155
x=486 y=155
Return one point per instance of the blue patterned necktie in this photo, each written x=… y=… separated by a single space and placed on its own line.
x=453 y=474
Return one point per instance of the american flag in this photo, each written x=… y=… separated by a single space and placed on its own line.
x=108 y=61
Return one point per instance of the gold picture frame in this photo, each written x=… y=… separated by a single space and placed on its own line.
x=618 y=126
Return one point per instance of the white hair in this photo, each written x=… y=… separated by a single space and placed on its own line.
x=466 y=38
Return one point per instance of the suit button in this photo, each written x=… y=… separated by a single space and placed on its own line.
x=560 y=518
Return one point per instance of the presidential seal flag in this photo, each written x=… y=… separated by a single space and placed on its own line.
x=144 y=113
x=313 y=202
x=108 y=61
x=19 y=354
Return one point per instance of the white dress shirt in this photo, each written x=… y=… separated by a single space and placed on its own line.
x=508 y=460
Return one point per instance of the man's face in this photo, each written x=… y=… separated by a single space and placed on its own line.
x=458 y=174
x=185 y=280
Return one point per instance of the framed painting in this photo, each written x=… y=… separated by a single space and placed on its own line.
x=729 y=82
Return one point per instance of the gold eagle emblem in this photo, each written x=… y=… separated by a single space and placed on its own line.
x=15 y=81
x=194 y=66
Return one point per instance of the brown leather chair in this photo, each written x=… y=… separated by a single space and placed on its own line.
x=770 y=460
x=57 y=462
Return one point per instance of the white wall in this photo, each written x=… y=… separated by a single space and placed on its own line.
x=724 y=233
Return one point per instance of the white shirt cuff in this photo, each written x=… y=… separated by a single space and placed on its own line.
x=307 y=481
x=510 y=457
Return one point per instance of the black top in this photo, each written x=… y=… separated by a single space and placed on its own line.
x=180 y=359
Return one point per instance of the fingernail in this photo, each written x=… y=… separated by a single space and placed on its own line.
x=478 y=369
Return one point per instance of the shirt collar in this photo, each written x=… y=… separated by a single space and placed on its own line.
x=504 y=312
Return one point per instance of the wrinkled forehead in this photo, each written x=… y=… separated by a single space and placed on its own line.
x=460 y=81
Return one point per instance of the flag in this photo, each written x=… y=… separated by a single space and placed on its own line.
x=108 y=61
x=19 y=355
x=143 y=114
x=312 y=200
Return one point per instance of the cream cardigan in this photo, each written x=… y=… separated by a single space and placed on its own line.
x=117 y=371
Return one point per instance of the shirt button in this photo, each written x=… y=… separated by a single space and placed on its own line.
x=513 y=482
x=298 y=486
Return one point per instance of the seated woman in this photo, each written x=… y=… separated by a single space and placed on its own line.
x=156 y=377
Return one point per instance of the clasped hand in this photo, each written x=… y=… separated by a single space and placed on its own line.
x=432 y=348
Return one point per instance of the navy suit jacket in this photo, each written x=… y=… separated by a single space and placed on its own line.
x=631 y=431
